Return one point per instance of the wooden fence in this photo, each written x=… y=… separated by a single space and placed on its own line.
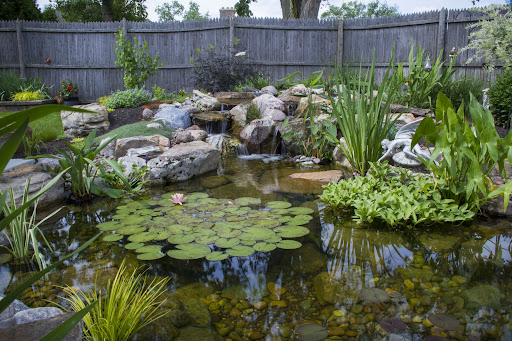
x=84 y=52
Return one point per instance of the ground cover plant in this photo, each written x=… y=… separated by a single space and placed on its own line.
x=130 y=98
x=12 y=83
x=134 y=129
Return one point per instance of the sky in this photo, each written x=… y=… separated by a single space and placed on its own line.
x=272 y=8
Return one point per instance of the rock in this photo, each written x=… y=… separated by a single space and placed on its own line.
x=127 y=162
x=325 y=176
x=205 y=102
x=49 y=164
x=155 y=126
x=268 y=101
x=33 y=331
x=270 y=90
x=191 y=109
x=35 y=314
x=343 y=289
x=494 y=207
x=303 y=106
x=299 y=89
x=148 y=152
x=109 y=151
x=339 y=156
x=288 y=98
x=255 y=133
x=122 y=145
x=182 y=162
x=409 y=273
x=274 y=115
x=17 y=179
x=196 y=334
x=415 y=111
x=147 y=114
x=483 y=295
x=173 y=117
x=15 y=307
x=234 y=98
x=77 y=124
x=15 y=163
x=239 y=115
x=185 y=136
x=198 y=313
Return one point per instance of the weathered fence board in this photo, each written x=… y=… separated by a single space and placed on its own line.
x=84 y=52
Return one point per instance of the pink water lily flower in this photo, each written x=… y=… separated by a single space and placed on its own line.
x=178 y=198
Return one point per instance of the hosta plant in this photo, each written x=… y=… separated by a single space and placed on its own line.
x=469 y=153
x=393 y=196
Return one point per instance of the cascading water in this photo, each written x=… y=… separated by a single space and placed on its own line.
x=241 y=150
x=290 y=109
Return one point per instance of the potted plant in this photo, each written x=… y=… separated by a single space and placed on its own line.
x=68 y=94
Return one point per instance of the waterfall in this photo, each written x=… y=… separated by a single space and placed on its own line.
x=216 y=141
x=241 y=150
x=290 y=109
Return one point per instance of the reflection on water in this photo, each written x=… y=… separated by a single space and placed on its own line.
x=464 y=271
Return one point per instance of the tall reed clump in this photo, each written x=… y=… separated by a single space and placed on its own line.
x=23 y=230
x=363 y=115
x=129 y=304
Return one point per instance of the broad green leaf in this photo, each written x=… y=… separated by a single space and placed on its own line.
x=9 y=147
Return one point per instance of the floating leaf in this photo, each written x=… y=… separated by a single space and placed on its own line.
x=216 y=256
x=149 y=249
x=240 y=251
x=300 y=219
x=289 y=244
x=189 y=251
x=181 y=239
x=245 y=201
x=133 y=246
x=150 y=256
x=444 y=321
x=300 y=210
x=393 y=325
x=196 y=196
x=374 y=295
x=228 y=233
x=127 y=230
x=235 y=218
x=248 y=242
x=278 y=204
x=256 y=233
x=142 y=237
x=264 y=247
x=206 y=239
x=227 y=243
x=291 y=231
x=311 y=332
x=109 y=226
x=112 y=237
x=284 y=219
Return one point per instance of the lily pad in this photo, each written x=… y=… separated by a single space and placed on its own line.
x=291 y=231
x=278 y=204
x=133 y=246
x=240 y=251
x=149 y=249
x=205 y=240
x=181 y=239
x=235 y=218
x=245 y=201
x=284 y=219
x=196 y=196
x=300 y=219
x=228 y=233
x=256 y=233
x=112 y=237
x=248 y=242
x=300 y=210
x=288 y=244
x=374 y=295
x=264 y=247
x=189 y=251
x=311 y=332
x=142 y=237
x=109 y=226
x=216 y=256
x=150 y=256
x=393 y=325
x=227 y=243
x=131 y=229
x=444 y=321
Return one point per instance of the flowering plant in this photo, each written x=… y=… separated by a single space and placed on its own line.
x=68 y=88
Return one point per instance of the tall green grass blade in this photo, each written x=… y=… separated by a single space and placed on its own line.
x=9 y=147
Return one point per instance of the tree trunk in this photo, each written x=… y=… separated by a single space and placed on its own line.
x=300 y=9
x=106 y=10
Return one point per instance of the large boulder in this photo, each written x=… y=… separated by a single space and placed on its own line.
x=173 y=117
x=205 y=102
x=342 y=288
x=135 y=142
x=316 y=100
x=274 y=115
x=255 y=133
x=233 y=98
x=299 y=89
x=239 y=115
x=288 y=98
x=270 y=90
x=267 y=101
x=483 y=295
x=184 y=136
x=78 y=124
x=182 y=162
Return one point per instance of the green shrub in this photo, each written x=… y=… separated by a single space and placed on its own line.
x=500 y=98
x=160 y=95
x=103 y=100
x=469 y=153
x=458 y=91
x=28 y=96
x=11 y=83
x=131 y=98
x=393 y=196
x=287 y=82
x=253 y=113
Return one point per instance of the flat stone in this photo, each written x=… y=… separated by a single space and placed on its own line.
x=14 y=163
x=148 y=152
x=233 y=98
x=325 y=176
x=78 y=124
x=17 y=179
x=122 y=145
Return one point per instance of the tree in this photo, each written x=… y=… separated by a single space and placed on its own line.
x=19 y=9
x=300 y=9
x=176 y=11
x=355 y=9
x=101 y=10
x=242 y=8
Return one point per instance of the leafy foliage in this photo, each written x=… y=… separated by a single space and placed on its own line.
x=242 y=8
x=27 y=96
x=491 y=37
x=458 y=91
x=216 y=72
x=500 y=98
x=130 y=303
x=11 y=82
x=288 y=81
x=469 y=153
x=421 y=85
x=135 y=61
x=363 y=118
x=355 y=9
x=393 y=196
x=20 y=9
x=101 y=10
x=131 y=98
x=169 y=11
x=68 y=88
x=116 y=178
x=134 y=129
x=253 y=113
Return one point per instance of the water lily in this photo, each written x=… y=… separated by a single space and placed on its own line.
x=178 y=198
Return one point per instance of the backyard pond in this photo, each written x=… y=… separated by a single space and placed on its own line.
x=270 y=278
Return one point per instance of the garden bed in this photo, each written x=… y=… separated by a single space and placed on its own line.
x=18 y=106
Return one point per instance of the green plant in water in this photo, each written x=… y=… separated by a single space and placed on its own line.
x=469 y=153
x=23 y=230
x=130 y=303
x=363 y=117
x=135 y=61
x=422 y=85
x=394 y=196
x=116 y=178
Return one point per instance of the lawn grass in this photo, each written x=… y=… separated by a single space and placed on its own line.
x=48 y=128
x=135 y=129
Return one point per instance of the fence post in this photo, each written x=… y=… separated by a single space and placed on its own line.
x=339 y=54
x=20 y=48
x=441 y=33
x=231 y=37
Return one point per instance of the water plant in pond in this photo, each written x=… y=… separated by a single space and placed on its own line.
x=204 y=227
x=130 y=303
x=394 y=196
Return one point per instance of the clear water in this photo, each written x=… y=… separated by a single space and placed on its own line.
x=463 y=271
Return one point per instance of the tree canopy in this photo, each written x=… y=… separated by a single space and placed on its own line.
x=19 y=9
x=242 y=8
x=176 y=11
x=356 y=9
x=101 y=10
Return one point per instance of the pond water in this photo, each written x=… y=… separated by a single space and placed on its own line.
x=463 y=272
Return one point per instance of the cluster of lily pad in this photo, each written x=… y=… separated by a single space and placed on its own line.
x=206 y=227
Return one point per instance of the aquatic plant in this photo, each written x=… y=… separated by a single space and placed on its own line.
x=206 y=227
x=130 y=303
x=23 y=230
x=395 y=197
x=469 y=153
